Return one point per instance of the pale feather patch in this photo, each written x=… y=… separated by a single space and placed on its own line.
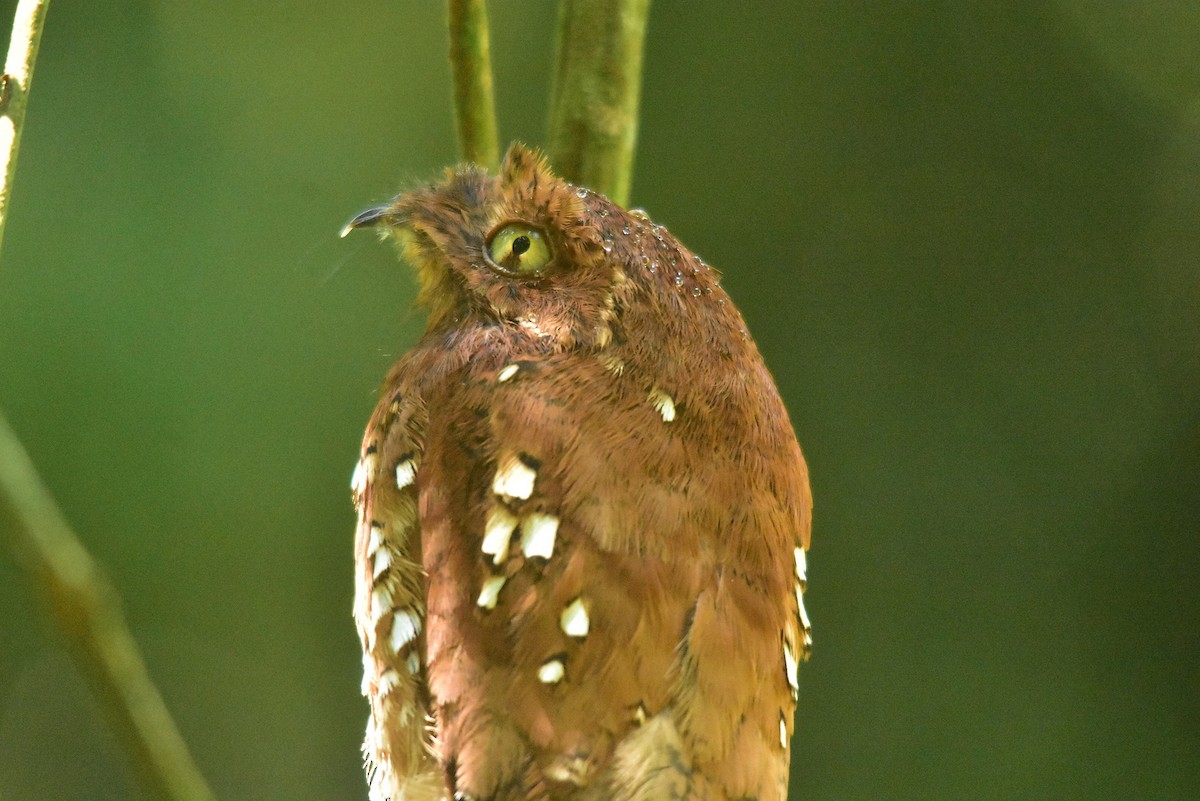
x=364 y=473
x=651 y=762
x=604 y=330
x=791 y=667
x=574 y=768
x=375 y=539
x=538 y=533
x=530 y=323
x=664 y=403
x=389 y=681
x=574 y=619
x=497 y=533
x=801 y=567
x=406 y=625
x=514 y=479
x=805 y=624
x=369 y=747
x=508 y=372
x=406 y=472
x=612 y=364
x=381 y=601
x=413 y=663
x=783 y=735
x=551 y=671
x=368 y=672
x=381 y=562
x=489 y=595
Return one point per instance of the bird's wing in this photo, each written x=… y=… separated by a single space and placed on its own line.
x=600 y=614
x=389 y=603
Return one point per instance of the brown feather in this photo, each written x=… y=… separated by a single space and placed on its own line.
x=600 y=527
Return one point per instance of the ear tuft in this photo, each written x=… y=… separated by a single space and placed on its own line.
x=524 y=165
x=531 y=191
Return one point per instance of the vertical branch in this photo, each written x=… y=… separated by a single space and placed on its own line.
x=471 y=64
x=77 y=593
x=14 y=91
x=597 y=82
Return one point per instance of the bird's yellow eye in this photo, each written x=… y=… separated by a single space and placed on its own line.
x=519 y=250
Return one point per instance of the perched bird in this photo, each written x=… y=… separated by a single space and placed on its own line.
x=582 y=513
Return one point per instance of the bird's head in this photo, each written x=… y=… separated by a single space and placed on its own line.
x=522 y=247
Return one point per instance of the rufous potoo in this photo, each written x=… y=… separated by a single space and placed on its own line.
x=582 y=513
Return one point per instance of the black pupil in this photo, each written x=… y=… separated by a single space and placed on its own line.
x=520 y=245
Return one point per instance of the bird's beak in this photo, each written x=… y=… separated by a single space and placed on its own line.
x=365 y=219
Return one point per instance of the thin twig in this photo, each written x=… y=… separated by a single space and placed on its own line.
x=597 y=82
x=14 y=90
x=87 y=609
x=82 y=600
x=470 y=60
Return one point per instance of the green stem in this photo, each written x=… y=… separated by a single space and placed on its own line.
x=82 y=600
x=87 y=609
x=597 y=82
x=471 y=64
x=14 y=91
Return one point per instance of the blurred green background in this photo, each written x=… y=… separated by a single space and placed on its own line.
x=965 y=234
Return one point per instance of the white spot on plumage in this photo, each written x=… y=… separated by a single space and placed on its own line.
x=368 y=672
x=664 y=403
x=382 y=561
x=489 y=595
x=406 y=472
x=801 y=567
x=538 y=532
x=515 y=478
x=574 y=619
x=406 y=625
x=381 y=601
x=639 y=715
x=804 y=621
x=783 y=736
x=530 y=323
x=551 y=671
x=389 y=681
x=508 y=372
x=497 y=533
x=375 y=539
x=791 y=667
x=413 y=663
x=364 y=473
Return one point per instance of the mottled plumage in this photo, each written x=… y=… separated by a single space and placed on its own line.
x=582 y=514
